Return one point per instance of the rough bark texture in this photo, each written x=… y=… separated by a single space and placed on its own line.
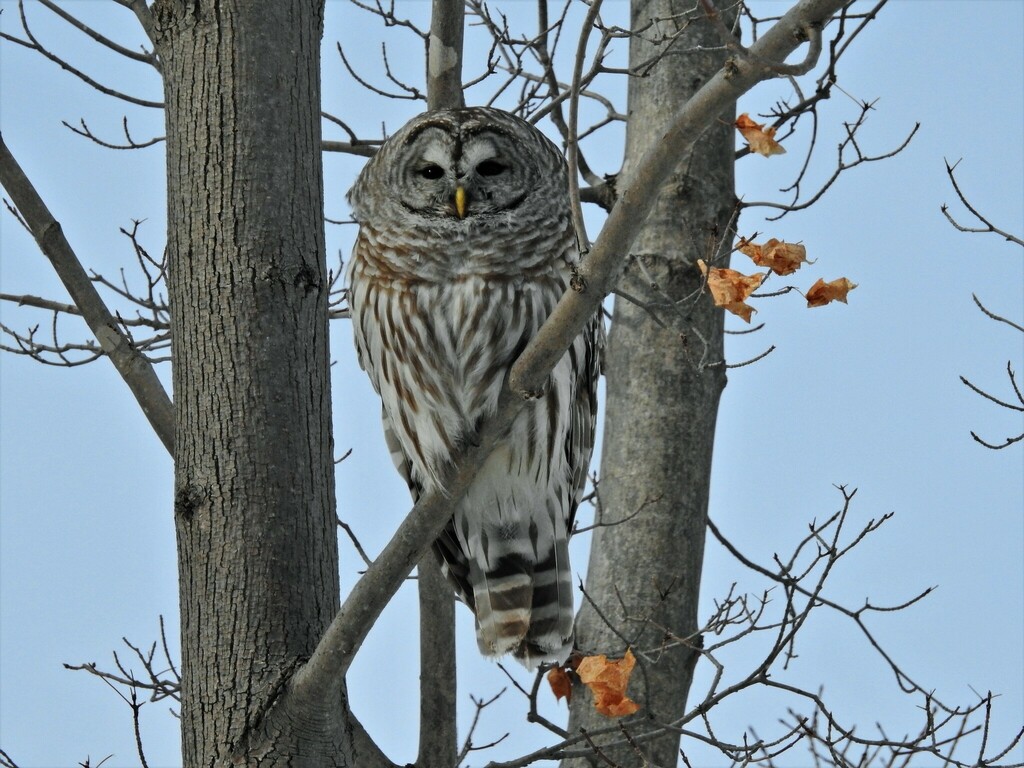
x=254 y=487
x=644 y=575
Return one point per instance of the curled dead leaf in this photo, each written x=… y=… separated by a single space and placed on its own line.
x=608 y=680
x=760 y=139
x=560 y=684
x=822 y=293
x=781 y=258
x=730 y=288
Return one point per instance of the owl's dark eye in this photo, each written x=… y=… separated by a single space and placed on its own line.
x=431 y=171
x=490 y=168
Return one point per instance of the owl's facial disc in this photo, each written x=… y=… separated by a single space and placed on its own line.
x=462 y=176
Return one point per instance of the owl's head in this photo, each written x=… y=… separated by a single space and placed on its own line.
x=453 y=169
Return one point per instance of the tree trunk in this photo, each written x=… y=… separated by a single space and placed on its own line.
x=644 y=575
x=254 y=476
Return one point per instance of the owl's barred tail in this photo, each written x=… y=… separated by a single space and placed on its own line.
x=525 y=608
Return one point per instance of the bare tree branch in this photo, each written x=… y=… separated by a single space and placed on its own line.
x=355 y=145
x=410 y=93
x=145 y=57
x=468 y=745
x=989 y=226
x=33 y=44
x=1011 y=375
x=992 y=315
x=132 y=144
x=363 y=150
x=572 y=137
x=143 y=14
x=135 y=369
x=444 y=55
x=438 y=745
x=843 y=164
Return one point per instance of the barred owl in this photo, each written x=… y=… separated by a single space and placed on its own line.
x=465 y=246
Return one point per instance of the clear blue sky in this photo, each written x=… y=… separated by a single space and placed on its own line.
x=866 y=395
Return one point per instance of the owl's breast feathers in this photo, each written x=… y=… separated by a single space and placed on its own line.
x=437 y=328
x=441 y=254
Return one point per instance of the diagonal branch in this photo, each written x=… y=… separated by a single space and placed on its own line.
x=144 y=14
x=143 y=57
x=33 y=44
x=989 y=226
x=137 y=372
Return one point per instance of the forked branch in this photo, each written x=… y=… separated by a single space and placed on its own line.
x=137 y=372
x=987 y=226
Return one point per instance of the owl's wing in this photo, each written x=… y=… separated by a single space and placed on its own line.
x=585 y=355
x=398 y=456
x=449 y=554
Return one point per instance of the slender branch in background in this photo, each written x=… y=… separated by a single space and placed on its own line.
x=997 y=401
x=362 y=150
x=412 y=91
x=438 y=743
x=137 y=372
x=846 y=146
x=993 y=316
x=786 y=117
x=145 y=57
x=55 y=353
x=337 y=292
x=40 y=303
x=989 y=226
x=144 y=15
x=572 y=139
x=1015 y=385
x=355 y=543
x=64 y=354
x=354 y=145
x=33 y=44
x=132 y=144
x=409 y=92
x=444 y=55
x=468 y=745
x=389 y=17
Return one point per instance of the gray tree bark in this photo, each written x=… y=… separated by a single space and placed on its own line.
x=643 y=579
x=254 y=476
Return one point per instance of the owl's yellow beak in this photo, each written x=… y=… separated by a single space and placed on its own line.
x=460 y=201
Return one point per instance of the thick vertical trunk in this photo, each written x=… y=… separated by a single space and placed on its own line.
x=254 y=489
x=644 y=574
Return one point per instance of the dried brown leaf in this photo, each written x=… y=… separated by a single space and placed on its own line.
x=730 y=288
x=760 y=139
x=608 y=680
x=822 y=293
